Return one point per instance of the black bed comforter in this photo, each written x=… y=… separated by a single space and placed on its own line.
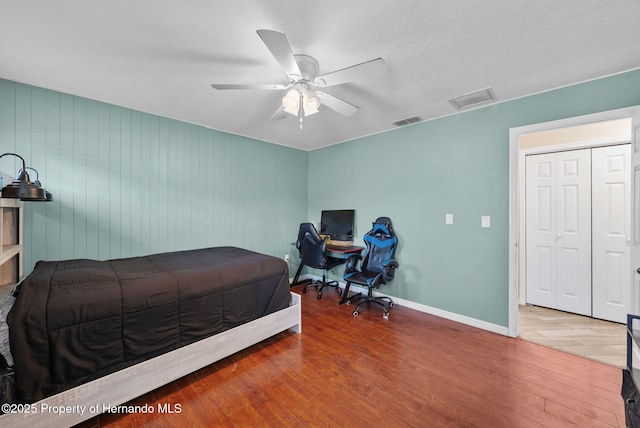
x=77 y=320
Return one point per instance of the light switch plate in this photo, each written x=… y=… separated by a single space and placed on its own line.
x=448 y=219
x=486 y=221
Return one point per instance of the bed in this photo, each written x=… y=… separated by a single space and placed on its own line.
x=86 y=332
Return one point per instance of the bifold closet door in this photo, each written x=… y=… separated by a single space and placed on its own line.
x=558 y=230
x=611 y=189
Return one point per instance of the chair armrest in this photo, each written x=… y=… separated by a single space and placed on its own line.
x=323 y=246
x=389 y=270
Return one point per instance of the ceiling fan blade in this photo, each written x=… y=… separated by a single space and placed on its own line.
x=335 y=103
x=279 y=114
x=224 y=86
x=366 y=70
x=281 y=49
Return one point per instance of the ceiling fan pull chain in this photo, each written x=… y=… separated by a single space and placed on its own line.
x=300 y=111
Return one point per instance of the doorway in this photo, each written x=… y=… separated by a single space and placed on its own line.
x=577 y=230
x=555 y=133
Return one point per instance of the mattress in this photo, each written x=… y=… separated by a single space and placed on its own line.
x=76 y=320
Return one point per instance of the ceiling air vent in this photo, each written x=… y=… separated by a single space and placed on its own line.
x=473 y=99
x=404 y=122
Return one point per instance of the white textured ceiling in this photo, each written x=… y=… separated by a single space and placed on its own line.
x=160 y=56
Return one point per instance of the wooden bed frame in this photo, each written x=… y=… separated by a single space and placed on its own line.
x=85 y=401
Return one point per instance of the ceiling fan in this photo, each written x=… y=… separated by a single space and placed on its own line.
x=306 y=87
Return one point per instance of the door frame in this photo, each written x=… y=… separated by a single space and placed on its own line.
x=516 y=191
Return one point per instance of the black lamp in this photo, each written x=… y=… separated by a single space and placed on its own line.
x=48 y=195
x=23 y=188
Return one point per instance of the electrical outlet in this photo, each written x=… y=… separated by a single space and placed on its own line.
x=448 y=219
x=286 y=258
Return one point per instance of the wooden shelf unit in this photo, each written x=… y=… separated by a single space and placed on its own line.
x=11 y=237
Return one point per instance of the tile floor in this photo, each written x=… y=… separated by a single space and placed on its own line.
x=591 y=338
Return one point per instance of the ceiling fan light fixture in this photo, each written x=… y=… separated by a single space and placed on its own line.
x=310 y=102
x=309 y=110
x=291 y=102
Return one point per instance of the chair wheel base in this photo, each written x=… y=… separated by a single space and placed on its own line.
x=361 y=299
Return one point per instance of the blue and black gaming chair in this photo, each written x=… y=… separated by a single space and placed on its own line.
x=377 y=266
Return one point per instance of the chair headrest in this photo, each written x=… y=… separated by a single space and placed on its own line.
x=307 y=229
x=380 y=228
x=382 y=225
x=381 y=234
x=383 y=220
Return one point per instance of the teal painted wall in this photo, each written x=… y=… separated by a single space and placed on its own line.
x=127 y=183
x=457 y=164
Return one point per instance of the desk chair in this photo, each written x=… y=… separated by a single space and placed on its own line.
x=377 y=266
x=313 y=254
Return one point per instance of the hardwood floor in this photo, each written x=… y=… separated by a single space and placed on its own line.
x=591 y=338
x=413 y=370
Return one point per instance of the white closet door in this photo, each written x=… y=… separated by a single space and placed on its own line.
x=634 y=306
x=574 y=231
x=611 y=231
x=558 y=210
x=541 y=230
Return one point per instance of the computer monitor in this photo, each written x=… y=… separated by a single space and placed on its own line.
x=338 y=224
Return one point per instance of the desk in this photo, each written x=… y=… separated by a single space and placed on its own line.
x=332 y=251
x=342 y=252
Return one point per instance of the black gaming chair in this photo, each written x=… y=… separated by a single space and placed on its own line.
x=377 y=266
x=312 y=249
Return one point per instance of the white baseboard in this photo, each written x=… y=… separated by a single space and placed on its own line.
x=473 y=322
